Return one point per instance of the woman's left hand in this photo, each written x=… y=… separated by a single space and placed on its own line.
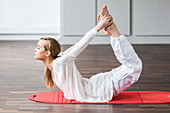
x=104 y=23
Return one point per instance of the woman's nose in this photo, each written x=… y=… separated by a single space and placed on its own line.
x=34 y=50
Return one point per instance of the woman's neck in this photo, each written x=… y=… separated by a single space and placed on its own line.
x=48 y=63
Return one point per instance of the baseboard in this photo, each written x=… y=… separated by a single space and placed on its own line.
x=70 y=40
x=132 y=39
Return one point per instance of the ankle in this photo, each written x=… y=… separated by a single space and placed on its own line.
x=115 y=33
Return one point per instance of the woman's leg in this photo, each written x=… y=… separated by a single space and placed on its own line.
x=112 y=83
x=131 y=68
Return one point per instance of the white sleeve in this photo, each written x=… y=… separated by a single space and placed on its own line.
x=72 y=53
x=67 y=50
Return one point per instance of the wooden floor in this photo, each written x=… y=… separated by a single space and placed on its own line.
x=21 y=75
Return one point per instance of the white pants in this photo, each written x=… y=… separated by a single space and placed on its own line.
x=131 y=68
x=112 y=83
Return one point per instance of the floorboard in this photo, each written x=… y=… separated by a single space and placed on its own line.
x=21 y=75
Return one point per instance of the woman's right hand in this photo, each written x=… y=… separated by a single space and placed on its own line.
x=104 y=23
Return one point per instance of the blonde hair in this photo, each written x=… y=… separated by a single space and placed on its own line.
x=54 y=47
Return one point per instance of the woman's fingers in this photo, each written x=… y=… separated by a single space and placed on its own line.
x=109 y=17
x=106 y=21
x=105 y=28
x=109 y=20
x=104 y=17
x=111 y=23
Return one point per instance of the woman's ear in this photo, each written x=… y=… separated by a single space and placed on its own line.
x=48 y=53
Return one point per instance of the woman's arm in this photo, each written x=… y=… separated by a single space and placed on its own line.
x=98 y=27
x=67 y=50
x=72 y=53
x=75 y=50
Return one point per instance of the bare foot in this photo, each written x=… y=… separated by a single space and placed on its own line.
x=103 y=12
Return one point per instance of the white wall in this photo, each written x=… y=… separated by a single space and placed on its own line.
x=151 y=17
x=144 y=21
x=29 y=16
x=78 y=16
x=120 y=10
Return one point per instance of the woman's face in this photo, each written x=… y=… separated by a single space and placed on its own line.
x=39 y=51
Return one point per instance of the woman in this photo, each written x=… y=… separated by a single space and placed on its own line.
x=61 y=68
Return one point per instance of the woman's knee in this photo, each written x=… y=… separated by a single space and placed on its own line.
x=139 y=66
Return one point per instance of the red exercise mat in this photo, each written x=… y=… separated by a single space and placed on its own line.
x=126 y=97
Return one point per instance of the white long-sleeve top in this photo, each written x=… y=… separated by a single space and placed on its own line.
x=100 y=87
